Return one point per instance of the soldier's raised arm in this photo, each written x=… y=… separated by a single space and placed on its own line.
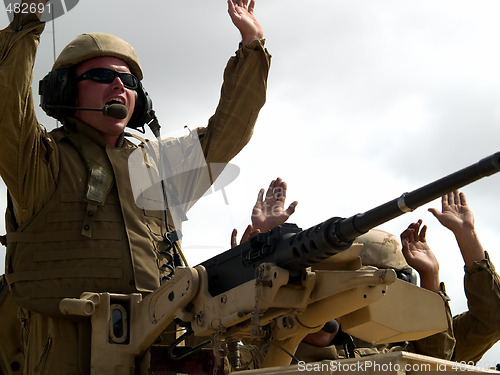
x=477 y=329
x=24 y=164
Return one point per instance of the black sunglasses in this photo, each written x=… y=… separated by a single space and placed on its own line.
x=104 y=75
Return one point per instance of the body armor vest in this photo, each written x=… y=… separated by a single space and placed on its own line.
x=90 y=236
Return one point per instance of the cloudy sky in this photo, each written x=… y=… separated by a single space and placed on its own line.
x=366 y=100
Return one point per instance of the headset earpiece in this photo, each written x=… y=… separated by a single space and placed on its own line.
x=57 y=89
x=143 y=104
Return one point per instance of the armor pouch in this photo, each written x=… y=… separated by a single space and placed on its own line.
x=100 y=179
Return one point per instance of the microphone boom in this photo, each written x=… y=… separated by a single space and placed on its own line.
x=117 y=111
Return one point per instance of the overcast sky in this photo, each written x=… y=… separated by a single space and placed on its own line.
x=366 y=99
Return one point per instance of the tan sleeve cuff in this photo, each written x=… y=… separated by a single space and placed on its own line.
x=254 y=44
x=481 y=265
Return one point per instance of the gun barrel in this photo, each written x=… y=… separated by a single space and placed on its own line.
x=350 y=228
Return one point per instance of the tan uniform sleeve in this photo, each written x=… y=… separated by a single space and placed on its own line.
x=243 y=94
x=439 y=345
x=25 y=149
x=478 y=329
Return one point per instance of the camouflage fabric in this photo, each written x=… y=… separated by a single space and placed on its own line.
x=381 y=249
x=478 y=329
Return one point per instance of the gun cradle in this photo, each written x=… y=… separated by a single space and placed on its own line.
x=315 y=301
x=366 y=300
x=372 y=303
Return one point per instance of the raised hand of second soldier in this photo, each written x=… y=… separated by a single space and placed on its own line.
x=458 y=217
x=269 y=212
x=241 y=13
x=456 y=214
x=419 y=255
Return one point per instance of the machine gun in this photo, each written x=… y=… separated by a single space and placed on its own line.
x=295 y=249
x=279 y=285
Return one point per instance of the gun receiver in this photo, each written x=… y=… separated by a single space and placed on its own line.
x=294 y=249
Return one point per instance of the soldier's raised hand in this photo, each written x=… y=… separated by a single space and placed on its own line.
x=268 y=212
x=455 y=214
x=241 y=13
x=458 y=217
x=419 y=255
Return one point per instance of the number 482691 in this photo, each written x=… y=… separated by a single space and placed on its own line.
x=25 y=8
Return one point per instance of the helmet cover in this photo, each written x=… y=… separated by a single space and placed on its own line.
x=88 y=46
x=382 y=249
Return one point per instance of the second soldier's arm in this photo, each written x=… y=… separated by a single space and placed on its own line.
x=477 y=329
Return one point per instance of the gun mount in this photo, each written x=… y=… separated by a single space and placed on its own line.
x=266 y=288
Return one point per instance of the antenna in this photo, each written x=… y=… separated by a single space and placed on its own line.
x=53 y=36
x=54 y=44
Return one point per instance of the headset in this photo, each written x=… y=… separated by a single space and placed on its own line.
x=57 y=92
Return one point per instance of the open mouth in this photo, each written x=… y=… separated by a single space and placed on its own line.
x=115 y=101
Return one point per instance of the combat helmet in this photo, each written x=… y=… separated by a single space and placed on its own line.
x=382 y=249
x=58 y=88
x=88 y=46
